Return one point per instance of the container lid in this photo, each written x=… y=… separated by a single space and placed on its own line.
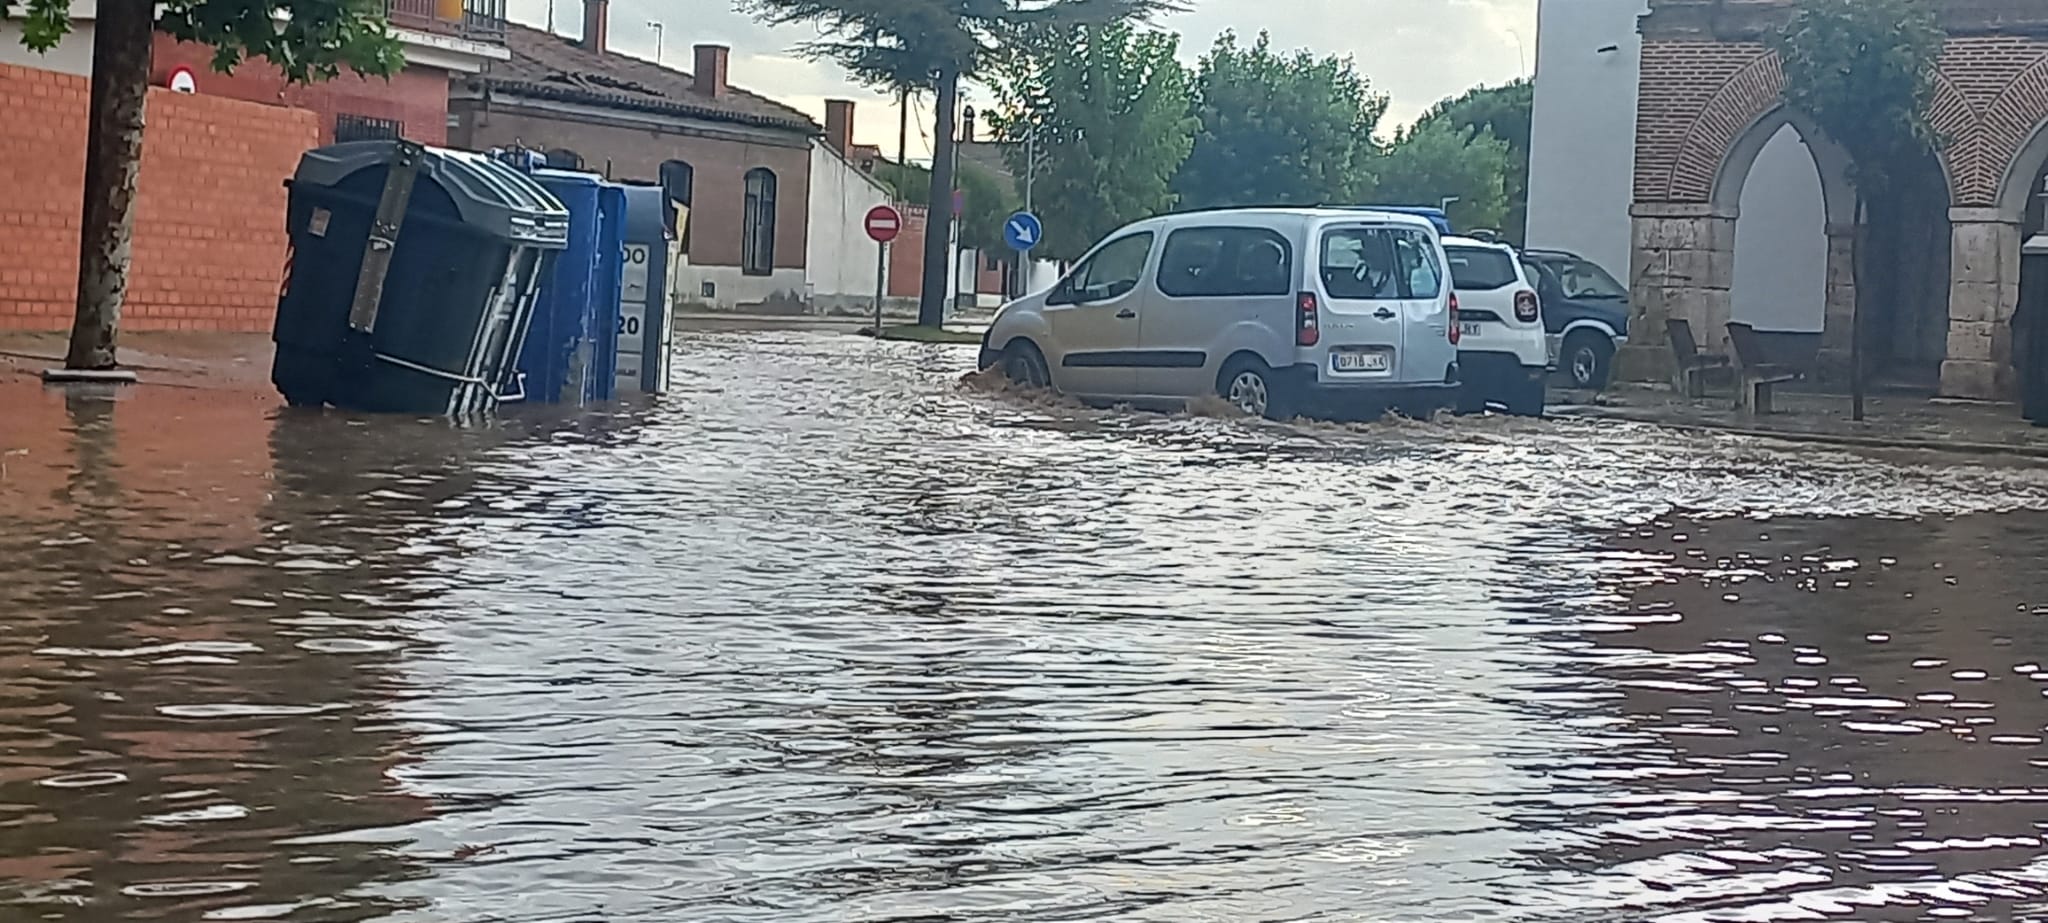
x=647 y=218
x=489 y=195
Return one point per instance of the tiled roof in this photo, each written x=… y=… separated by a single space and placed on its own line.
x=551 y=66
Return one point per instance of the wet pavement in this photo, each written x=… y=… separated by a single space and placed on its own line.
x=826 y=635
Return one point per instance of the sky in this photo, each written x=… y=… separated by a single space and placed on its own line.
x=1415 y=51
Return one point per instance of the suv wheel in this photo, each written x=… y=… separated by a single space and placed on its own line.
x=1251 y=387
x=1587 y=359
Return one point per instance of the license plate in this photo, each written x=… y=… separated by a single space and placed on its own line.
x=1468 y=329
x=1376 y=361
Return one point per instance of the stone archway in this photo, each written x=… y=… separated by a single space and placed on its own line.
x=1831 y=274
x=2002 y=143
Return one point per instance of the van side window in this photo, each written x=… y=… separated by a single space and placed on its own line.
x=1359 y=263
x=1114 y=269
x=1419 y=268
x=1225 y=262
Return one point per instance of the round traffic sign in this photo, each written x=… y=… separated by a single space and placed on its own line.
x=884 y=223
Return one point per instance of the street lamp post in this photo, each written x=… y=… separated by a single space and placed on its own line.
x=657 y=27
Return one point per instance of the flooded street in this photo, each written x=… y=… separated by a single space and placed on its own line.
x=826 y=636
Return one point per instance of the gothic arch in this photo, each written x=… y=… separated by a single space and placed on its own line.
x=1754 y=96
x=2018 y=123
x=1838 y=195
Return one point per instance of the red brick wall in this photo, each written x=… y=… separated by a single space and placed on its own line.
x=209 y=231
x=719 y=164
x=906 y=254
x=417 y=97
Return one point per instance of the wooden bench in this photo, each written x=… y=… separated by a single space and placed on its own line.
x=1689 y=374
x=1759 y=378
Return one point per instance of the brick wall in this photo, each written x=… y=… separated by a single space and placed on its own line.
x=209 y=238
x=720 y=166
x=416 y=97
x=906 y=254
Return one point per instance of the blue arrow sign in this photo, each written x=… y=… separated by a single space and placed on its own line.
x=1022 y=231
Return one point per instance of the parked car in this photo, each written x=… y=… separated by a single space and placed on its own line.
x=1503 y=353
x=1277 y=310
x=1585 y=313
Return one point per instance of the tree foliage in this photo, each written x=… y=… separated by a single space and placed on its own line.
x=306 y=39
x=1434 y=160
x=1864 y=71
x=1279 y=128
x=1505 y=113
x=1107 y=109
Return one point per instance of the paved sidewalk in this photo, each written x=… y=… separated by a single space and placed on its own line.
x=1890 y=420
x=211 y=361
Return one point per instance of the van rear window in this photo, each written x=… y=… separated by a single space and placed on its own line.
x=1481 y=269
x=1380 y=263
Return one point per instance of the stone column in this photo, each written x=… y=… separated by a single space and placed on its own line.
x=1682 y=265
x=1839 y=318
x=1984 y=290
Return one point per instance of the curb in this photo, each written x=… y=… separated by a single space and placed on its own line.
x=1962 y=447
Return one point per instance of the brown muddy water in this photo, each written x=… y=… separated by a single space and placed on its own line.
x=824 y=636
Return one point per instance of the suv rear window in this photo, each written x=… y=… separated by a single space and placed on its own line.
x=1481 y=269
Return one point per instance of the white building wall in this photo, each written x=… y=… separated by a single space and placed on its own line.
x=1582 y=168
x=839 y=259
x=73 y=54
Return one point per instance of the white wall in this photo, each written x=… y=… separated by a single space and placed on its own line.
x=1582 y=169
x=1582 y=139
x=1781 y=244
x=839 y=259
x=73 y=55
x=782 y=292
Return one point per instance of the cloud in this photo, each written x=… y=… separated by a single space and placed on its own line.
x=1416 y=51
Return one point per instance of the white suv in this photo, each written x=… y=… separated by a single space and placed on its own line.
x=1278 y=311
x=1503 y=356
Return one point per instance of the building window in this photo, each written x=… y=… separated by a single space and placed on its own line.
x=757 y=224
x=364 y=128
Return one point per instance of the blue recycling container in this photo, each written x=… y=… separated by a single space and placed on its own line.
x=570 y=355
x=644 y=334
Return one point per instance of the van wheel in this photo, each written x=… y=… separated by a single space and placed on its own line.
x=1248 y=385
x=1023 y=364
x=1587 y=359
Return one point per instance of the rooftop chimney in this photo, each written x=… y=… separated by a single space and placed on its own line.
x=839 y=125
x=596 y=17
x=711 y=65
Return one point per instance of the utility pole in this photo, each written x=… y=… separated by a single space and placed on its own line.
x=903 y=125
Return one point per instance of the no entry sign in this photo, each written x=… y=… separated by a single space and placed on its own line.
x=884 y=223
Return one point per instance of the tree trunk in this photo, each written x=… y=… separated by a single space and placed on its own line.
x=903 y=126
x=938 y=223
x=122 y=36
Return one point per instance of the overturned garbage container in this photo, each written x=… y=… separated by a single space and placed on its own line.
x=411 y=277
x=572 y=344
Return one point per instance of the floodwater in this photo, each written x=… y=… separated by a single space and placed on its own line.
x=826 y=636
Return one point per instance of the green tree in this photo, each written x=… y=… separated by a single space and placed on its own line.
x=1106 y=112
x=889 y=42
x=1505 y=112
x=1432 y=161
x=986 y=200
x=306 y=39
x=1279 y=129
x=1864 y=71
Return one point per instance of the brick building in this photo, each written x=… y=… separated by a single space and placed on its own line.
x=588 y=106
x=1710 y=98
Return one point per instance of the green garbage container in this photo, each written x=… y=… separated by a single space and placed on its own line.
x=411 y=277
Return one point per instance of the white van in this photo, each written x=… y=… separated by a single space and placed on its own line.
x=1277 y=310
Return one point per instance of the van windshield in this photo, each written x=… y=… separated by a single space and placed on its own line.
x=1380 y=263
